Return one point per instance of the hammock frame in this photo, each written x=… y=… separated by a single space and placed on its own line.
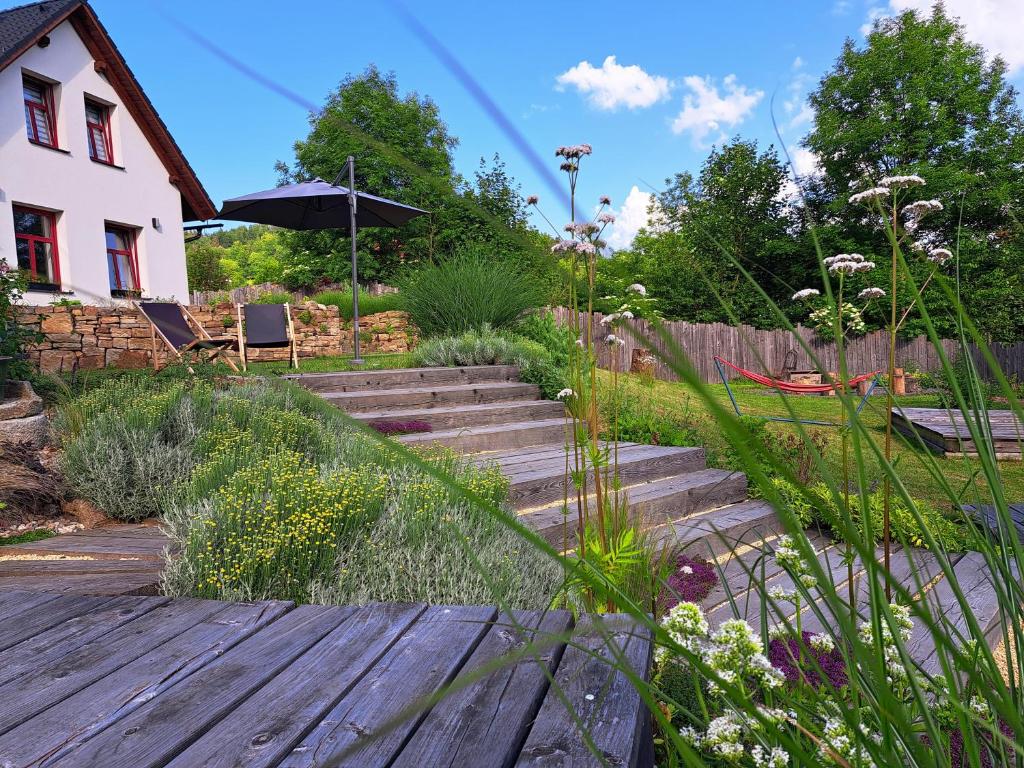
x=875 y=378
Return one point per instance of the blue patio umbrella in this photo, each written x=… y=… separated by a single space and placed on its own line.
x=317 y=204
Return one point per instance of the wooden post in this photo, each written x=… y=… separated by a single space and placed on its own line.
x=293 y=342
x=152 y=338
x=241 y=338
x=899 y=382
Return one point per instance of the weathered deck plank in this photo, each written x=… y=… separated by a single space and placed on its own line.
x=425 y=659
x=74 y=666
x=15 y=602
x=164 y=726
x=949 y=432
x=137 y=682
x=602 y=699
x=272 y=722
x=486 y=722
x=57 y=642
x=66 y=725
x=57 y=611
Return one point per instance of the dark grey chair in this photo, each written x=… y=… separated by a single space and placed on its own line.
x=266 y=326
x=169 y=321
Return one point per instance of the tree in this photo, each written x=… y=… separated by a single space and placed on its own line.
x=919 y=98
x=202 y=263
x=734 y=210
x=403 y=151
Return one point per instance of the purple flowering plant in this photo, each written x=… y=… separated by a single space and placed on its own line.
x=691 y=581
x=412 y=427
x=812 y=664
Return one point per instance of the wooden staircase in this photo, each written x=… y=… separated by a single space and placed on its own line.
x=486 y=412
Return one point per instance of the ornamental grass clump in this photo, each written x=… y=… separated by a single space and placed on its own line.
x=468 y=292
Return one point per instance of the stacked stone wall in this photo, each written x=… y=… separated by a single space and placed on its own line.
x=90 y=337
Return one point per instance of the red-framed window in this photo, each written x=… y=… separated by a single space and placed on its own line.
x=97 y=126
x=35 y=239
x=39 y=112
x=122 y=261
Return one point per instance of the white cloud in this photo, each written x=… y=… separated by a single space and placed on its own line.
x=705 y=110
x=798 y=111
x=629 y=219
x=804 y=117
x=989 y=22
x=805 y=162
x=612 y=85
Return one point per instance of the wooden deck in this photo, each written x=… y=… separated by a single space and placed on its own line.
x=112 y=560
x=916 y=570
x=134 y=682
x=947 y=432
x=987 y=516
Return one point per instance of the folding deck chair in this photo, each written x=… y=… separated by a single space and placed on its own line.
x=265 y=326
x=170 y=321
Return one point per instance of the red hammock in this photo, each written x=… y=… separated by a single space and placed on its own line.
x=788 y=386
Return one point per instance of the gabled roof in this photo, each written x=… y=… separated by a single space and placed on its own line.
x=23 y=26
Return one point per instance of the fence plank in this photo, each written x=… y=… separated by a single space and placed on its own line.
x=778 y=352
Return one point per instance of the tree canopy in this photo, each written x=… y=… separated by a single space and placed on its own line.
x=919 y=98
x=403 y=151
x=915 y=98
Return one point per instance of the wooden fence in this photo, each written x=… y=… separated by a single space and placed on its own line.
x=250 y=293
x=777 y=352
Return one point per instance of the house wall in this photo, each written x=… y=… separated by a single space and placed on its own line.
x=81 y=338
x=85 y=193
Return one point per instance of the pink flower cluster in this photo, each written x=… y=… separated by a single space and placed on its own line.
x=784 y=654
x=573 y=151
x=401 y=427
x=693 y=580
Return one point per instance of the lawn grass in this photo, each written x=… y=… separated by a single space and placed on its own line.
x=681 y=403
x=372 y=362
x=25 y=538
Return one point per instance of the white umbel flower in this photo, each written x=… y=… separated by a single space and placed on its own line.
x=871 y=293
x=922 y=207
x=940 y=255
x=806 y=293
x=902 y=182
x=637 y=288
x=565 y=394
x=870 y=195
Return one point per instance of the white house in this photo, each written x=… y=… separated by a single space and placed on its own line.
x=93 y=189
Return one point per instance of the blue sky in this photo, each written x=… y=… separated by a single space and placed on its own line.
x=683 y=76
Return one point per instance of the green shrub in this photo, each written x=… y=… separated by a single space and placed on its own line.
x=487 y=347
x=274 y=297
x=273 y=528
x=971 y=387
x=368 y=305
x=128 y=456
x=433 y=546
x=822 y=508
x=541 y=327
x=468 y=292
x=640 y=420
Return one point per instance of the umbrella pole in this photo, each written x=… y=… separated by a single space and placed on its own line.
x=356 y=360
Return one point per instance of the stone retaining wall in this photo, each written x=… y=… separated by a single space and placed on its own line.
x=87 y=337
